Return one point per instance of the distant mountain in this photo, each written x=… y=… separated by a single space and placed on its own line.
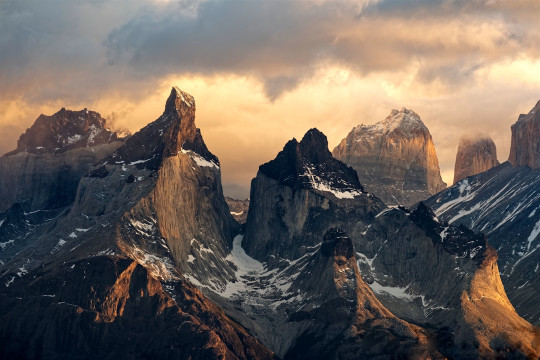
x=504 y=203
x=474 y=155
x=395 y=159
x=63 y=131
x=107 y=278
x=238 y=209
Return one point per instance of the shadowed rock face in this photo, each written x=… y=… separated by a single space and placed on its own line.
x=525 y=145
x=395 y=159
x=503 y=202
x=474 y=156
x=291 y=191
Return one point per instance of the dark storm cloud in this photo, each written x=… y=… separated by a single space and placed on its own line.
x=64 y=49
x=283 y=42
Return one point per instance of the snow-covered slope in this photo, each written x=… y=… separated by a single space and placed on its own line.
x=504 y=203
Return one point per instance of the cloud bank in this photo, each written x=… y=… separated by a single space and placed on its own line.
x=275 y=68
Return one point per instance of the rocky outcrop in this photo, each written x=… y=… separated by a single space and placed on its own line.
x=238 y=208
x=51 y=157
x=291 y=191
x=444 y=277
x=395 y=159
x=525 y=145
x=474 y=155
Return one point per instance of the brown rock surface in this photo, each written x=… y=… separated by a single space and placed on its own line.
x=525 y=146
x=395 y=159
x=239 y=209
x=474 y=156
x=112 y=307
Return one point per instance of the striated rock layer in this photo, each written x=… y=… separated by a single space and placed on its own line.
x=395 y=159
x=474 y=155
x=525 y=145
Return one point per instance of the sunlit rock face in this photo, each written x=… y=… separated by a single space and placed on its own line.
x=474 y=155
x=395 y=159
x=525 y=146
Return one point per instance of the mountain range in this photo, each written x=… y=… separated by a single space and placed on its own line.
x=126 y=248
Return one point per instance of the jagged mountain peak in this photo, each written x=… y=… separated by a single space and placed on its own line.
x=178 y=100
x=308 y=164
x=65 y=130
x=173 y=132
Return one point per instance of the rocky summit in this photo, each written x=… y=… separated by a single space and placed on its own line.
x=395 y=159
x=474 y=155
x=63 y=131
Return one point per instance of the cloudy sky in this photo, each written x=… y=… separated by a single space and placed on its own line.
x=263 y=72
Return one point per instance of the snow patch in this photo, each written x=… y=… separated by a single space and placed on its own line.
x=199 y=160
x=73 y=139
x=319 y=184
x=395 y=291
x=534 y=235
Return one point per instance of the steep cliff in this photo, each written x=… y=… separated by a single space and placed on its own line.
x=525 y=145
x=395 y=159
x=474 y=155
